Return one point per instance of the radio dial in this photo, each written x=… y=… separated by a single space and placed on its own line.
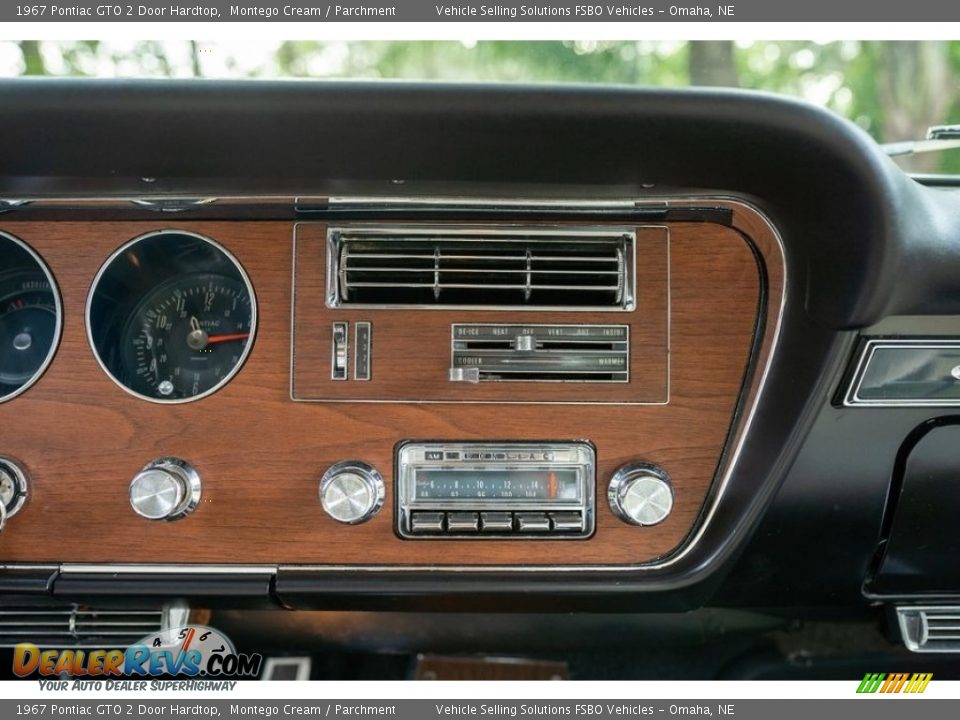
x=641 y=494
x=352 y=492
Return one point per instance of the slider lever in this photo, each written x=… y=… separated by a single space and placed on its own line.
x=465 y=374
x=339 y=351
x=524 y=343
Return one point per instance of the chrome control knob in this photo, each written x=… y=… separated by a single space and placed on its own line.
x=166 y=489
x=13 y=489
x=641 y=494
x=352 y=492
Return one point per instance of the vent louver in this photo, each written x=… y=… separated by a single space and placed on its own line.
x=81 y=626
x=930 y=629
x=488 y=267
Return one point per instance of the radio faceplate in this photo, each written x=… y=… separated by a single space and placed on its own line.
x=495 y=490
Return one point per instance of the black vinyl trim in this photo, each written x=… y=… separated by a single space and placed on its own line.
x=27 y=580
x=241 y=589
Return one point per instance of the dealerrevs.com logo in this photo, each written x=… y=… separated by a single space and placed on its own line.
x=190 y=651
x=913 y=683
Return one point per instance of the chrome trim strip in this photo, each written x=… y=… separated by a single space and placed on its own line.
x=253 y=315
x=456 y=203
x=29 y=566
x=358 y=202
x=172 y=204
x=742 y=432
x=852 y=397
x=58 y=308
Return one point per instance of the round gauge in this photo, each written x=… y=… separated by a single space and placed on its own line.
x=30 y=317
x=189 y=650
x=171 y=317
x=187 y=336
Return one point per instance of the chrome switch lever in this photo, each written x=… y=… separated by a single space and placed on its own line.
x=465 y=374
x=340 y=351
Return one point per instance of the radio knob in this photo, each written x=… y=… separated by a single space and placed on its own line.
x=13 y=489
x=352 y=492
x=166 y=489
x=641 y=494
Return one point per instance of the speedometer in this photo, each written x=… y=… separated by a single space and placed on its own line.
x=172 y=316
x=29 y=317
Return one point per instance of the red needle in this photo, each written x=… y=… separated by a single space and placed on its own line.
x=226 y=338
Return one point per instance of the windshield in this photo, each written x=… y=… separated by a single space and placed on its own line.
x=894 y=90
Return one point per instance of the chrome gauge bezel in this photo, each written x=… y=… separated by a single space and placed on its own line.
x=58 y=308
x=21 y=484
x=368 y=474
x=254 y=315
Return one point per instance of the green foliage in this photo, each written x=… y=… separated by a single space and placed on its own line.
x=893 y=90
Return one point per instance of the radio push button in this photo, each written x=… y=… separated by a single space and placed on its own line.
x=427 y=522
x=533 y=522
x=496 y=522
x=567 y=521
x=463 y=522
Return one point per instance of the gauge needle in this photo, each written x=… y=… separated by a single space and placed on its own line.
x=226 y=338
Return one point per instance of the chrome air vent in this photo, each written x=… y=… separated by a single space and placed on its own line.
x=529 y=268
x=930 y=628
x=64 y=625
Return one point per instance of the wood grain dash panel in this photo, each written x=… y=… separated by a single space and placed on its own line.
x=81 y=438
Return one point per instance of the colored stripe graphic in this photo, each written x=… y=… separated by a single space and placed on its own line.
x=919 y=682
x=871 y=682
x=894 y=683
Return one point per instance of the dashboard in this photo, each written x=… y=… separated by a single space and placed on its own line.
x=216 y=344
x=434 y=348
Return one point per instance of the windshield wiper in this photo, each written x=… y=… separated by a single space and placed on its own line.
x=939 y=138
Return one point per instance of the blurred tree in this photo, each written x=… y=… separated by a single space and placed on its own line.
x=32 y=58
x=712 y=62
x=916 y=88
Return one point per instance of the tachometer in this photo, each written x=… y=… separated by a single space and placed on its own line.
x=29 y=317
x=172 y=316
x=187 y=336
